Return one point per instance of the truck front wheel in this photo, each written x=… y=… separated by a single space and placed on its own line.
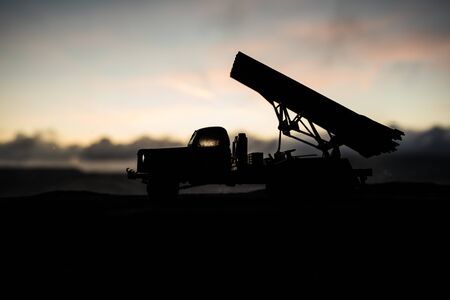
x=162 y=189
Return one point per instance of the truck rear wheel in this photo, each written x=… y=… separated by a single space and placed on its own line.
x=163 y=189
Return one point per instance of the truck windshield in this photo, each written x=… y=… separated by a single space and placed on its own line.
x=209 y=137
x=205 y=141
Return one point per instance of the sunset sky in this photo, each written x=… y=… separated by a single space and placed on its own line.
x=122 y=69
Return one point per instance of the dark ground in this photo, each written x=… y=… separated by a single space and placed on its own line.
x=380 y=237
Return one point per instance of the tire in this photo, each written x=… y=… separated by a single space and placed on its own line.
x=162 y=189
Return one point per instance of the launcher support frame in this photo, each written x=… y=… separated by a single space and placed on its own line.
x=287 y=124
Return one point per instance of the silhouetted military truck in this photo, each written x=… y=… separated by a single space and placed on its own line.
x=209 y=159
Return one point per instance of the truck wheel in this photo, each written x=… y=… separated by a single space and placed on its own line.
x=162 y=189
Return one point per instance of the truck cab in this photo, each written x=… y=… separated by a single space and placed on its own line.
x=206 y=159
x=209 y=154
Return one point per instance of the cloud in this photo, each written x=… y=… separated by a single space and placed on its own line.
x=378 y=41
x=433 y=142
x=191 y=84
x=105 y=149
x=38 y=146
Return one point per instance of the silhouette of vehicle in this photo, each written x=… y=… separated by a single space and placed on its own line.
x=208 y=159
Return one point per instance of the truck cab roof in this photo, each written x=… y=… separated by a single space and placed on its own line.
x=215 y=136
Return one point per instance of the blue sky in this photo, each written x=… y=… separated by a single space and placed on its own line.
x=122 y=69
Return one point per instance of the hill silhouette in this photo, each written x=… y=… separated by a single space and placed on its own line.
x=385 y=236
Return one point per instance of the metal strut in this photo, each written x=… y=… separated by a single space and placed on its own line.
x=286 y=125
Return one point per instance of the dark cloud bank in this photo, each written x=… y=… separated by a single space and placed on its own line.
x=27 y=148
x=422 y=156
